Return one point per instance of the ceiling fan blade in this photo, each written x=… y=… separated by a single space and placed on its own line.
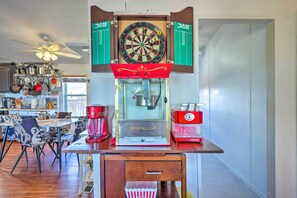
x=67 y=55
x=56 y=47
x=28 y=50
x=36 y=47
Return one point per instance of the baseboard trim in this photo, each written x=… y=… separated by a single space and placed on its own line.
x=246 y=182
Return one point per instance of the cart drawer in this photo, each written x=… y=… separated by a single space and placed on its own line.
x=153 y=171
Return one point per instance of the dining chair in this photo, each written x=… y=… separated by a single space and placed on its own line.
x=28 y=134
x=51 y=134
x=8 y=133
x=80 y=126
x=74 y=133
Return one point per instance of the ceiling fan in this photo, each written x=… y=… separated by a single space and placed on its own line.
x=48 y=49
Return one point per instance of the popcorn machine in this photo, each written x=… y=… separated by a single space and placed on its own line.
x=142 y=110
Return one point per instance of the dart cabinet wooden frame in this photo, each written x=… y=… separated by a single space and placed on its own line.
x=164 y=22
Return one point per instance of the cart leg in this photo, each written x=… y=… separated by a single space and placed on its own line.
x=194 y=176
x=81 y=174
x=96 y=176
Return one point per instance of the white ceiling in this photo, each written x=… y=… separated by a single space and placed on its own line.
x=65 y=21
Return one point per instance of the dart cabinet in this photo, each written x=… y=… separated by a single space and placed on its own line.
x=142 y=39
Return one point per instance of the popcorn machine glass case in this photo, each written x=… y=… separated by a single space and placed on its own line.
x=142 y=110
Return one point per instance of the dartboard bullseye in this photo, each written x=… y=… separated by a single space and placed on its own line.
x=142 y=42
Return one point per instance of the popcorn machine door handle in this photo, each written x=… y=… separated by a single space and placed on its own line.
x=153 y=172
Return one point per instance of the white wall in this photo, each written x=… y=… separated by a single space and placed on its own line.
x=101 y=89
x=284 y=13
x=74 y=69
x=233 y=85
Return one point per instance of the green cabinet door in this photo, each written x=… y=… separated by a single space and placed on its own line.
x=101 y=43
x=181 y=42
x=183 y=48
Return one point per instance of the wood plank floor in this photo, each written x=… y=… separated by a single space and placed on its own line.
x=26 y=181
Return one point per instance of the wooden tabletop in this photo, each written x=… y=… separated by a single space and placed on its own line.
x=106 y=147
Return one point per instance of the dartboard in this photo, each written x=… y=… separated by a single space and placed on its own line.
x=142 y=42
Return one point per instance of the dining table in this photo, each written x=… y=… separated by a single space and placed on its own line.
x=58 y=124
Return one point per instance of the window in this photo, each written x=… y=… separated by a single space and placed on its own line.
x=75 y=95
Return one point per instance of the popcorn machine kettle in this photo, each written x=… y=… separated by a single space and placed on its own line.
x=142 y=110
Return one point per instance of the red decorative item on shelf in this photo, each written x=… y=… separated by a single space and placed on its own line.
x=38 y=87
x=54 y=80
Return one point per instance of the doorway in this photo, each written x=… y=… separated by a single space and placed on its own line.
x=236 y=82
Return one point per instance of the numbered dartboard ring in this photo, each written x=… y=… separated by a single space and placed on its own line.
x=142 y=42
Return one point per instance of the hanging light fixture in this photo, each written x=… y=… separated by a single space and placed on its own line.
x=54 y=57
x=39 y=55
x=46 y=55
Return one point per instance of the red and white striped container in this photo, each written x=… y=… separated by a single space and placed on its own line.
x=141 y=189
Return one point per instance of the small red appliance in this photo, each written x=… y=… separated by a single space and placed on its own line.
x=186 y=125
x=97 y=123
x=187 y=117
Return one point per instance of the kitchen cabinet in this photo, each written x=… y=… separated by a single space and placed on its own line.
x=6 y=77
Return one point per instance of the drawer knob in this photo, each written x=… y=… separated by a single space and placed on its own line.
x=153 y=172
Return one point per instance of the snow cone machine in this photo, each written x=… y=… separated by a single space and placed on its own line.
x=142 y=109
x=186 y=123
